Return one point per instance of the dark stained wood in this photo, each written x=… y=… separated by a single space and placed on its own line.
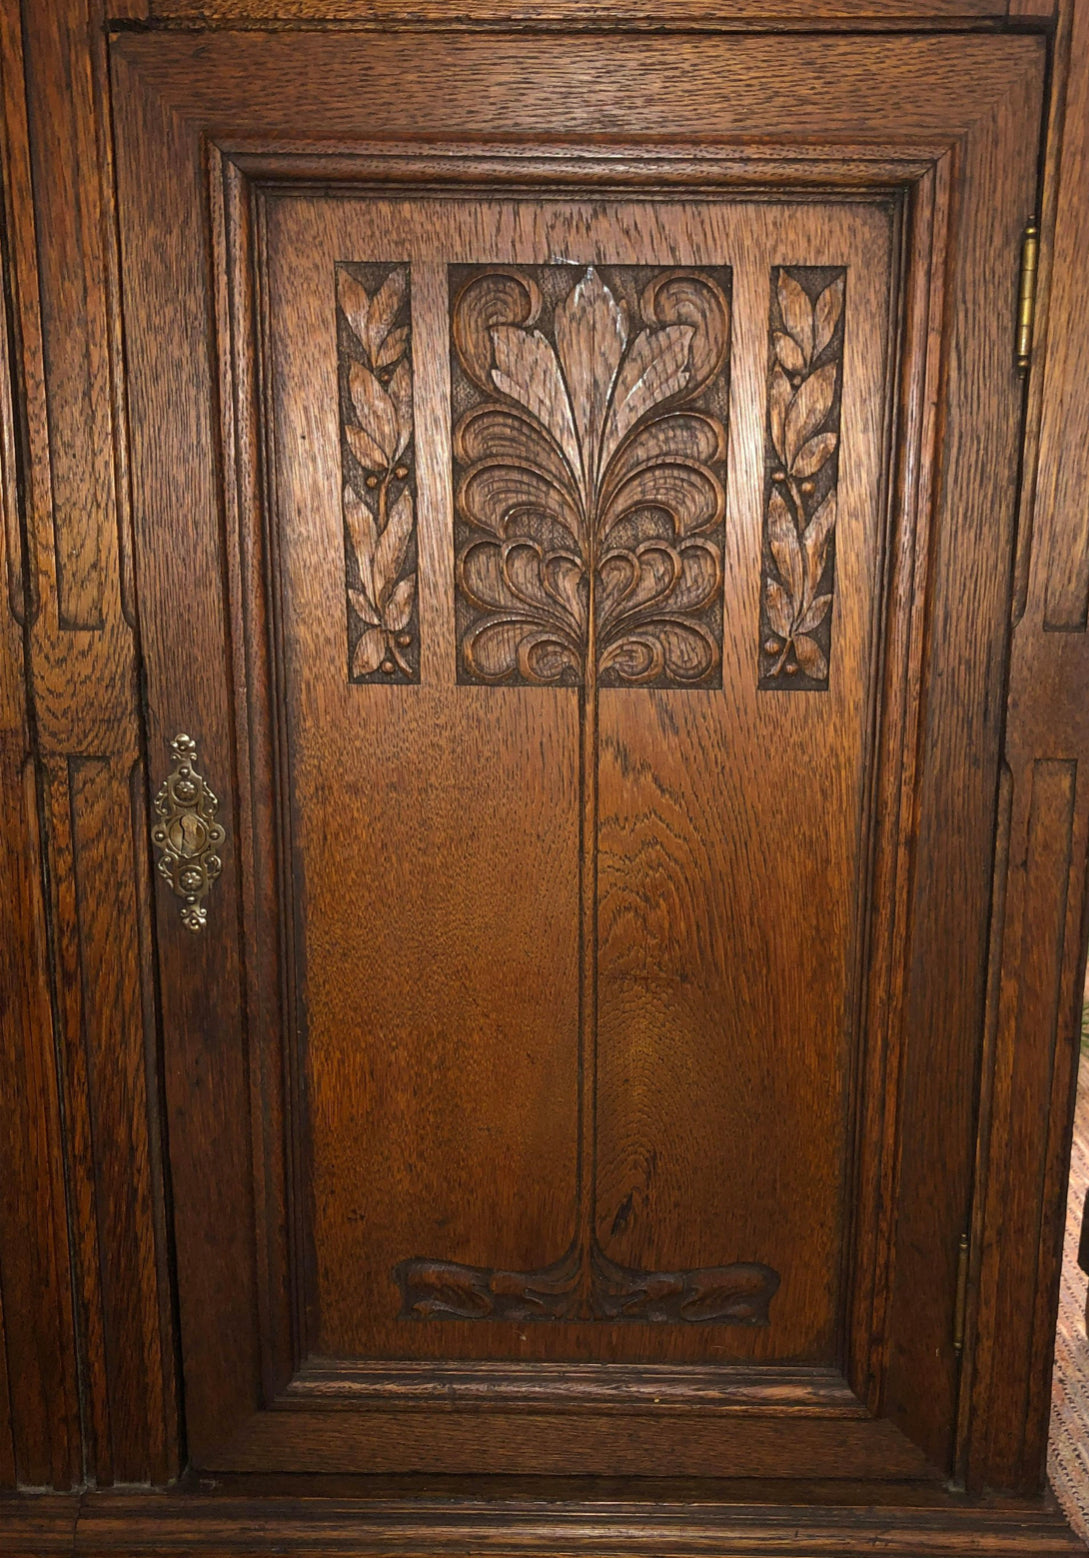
x=507 y=1516
x=567 y=13
x=39 y=1416
x=82 y=674
x=604 y=994
x=311 y=1268
x=1039 y=928
x=960 y=736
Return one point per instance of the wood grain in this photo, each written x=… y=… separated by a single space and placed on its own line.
x=566 y=13
x=81 y=668
x=39 y=1427
x=329 y=766
x=1036 y=981
x=376 y=1516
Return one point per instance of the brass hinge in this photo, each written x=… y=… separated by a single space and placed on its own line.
x=1026 y=302
x=961 y=1307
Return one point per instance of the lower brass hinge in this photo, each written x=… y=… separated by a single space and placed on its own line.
x=1026 y=298
x=960 y=1309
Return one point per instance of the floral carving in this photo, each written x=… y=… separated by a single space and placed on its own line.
x=378 y=461
x=802 y=471
x=589 y=446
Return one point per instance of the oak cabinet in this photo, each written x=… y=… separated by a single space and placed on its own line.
x=605 y=1001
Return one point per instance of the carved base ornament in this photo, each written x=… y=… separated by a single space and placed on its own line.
x=733 y=1293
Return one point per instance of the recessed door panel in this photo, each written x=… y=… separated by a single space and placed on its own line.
x=574 y=897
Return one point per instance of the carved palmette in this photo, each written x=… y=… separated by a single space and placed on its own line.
x=590 y=411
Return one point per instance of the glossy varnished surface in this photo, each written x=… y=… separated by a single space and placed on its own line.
x=81 y=1050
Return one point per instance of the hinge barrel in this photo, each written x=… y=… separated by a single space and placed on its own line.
x=1026 y=304
x=960 y=1308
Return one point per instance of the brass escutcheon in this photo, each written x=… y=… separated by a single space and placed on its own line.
x=187 y=834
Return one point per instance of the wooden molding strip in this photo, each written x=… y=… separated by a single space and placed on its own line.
x=196 y=1524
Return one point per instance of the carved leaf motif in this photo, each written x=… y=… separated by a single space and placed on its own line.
x=780 y=394
x=384 y=309
x=815 y=614
x=355 y=302
x=364 y=535
x=803 y=444
x=526 y=369
x=797 y=313
x=593 y=480
x=378 y=500
x=827 y=313
x=370 y=651
x=815 y=540
x=779 y=608
x=400 y=395
x=591 y=334
x=785 y=546
x=808 y=410
x=389 y=553
x=376 y=417
x=788 y=352
x=812 y=456
x=399 y=606
x=655 y=370
x=811 y=658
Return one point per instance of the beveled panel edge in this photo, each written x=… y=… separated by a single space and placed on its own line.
x=619 y=1388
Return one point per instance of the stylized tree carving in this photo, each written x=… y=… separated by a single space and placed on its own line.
x=589 y=448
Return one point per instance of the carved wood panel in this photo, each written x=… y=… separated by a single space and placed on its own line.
x=805 y=389
x=590 y=491
x=434 y=844
x=374 y=339
x=589 y=415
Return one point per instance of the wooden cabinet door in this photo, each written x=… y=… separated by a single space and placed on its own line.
x=574 y=482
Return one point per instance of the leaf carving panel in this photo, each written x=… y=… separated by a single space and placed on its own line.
x=374 y=349
x=590 y=415
x=805 y=386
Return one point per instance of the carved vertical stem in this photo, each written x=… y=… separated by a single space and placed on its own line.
x=586 y=1172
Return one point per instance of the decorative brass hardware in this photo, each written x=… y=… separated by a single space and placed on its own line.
x=960 y=1309
x=1026 y=306
x=187 y=834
